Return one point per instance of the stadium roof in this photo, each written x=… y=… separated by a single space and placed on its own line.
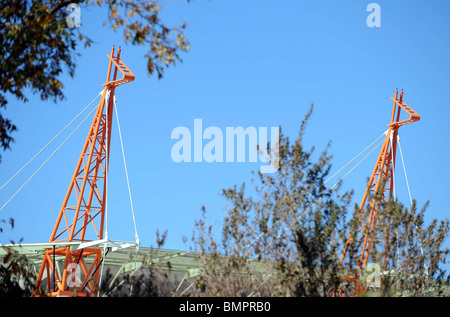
x=120 y=258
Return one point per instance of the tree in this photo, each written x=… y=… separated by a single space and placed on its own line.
x=411 y=259
x=37 y=46
x=283 y=240
x=17 y=278
x=284 y=235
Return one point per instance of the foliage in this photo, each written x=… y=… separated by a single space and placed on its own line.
x=411 y=259
x=152 y=278
x=149 y=281
x=17 y=278
x=284 y=235
x=37 y=46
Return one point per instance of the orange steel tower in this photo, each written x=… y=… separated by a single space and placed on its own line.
x=82 y=216
x=382 y=182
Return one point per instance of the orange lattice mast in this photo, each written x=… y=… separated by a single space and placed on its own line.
x=381 y=182
x=82 y=215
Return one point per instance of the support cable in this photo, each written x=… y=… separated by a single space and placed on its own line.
x=395 y=199
x=369 y=146
x=51 y=141
x=105 y=247
x=315 y=203
x=393 y=164
x=126 y=172
x=129 y=189
x=93 y=273
x=385 y=132
x=404 y=169
x=108 y=95
x=340 y=180
x=54 y=152
x=411 y=200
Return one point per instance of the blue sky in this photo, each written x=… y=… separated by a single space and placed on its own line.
x=251 y=63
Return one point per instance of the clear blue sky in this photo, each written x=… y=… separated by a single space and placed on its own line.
x=251 y=63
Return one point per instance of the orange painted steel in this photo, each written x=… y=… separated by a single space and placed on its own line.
x=381 y=182
x=82 y=215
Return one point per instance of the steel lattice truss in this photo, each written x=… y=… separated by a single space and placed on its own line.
x=82 y=215
x=381 y=183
